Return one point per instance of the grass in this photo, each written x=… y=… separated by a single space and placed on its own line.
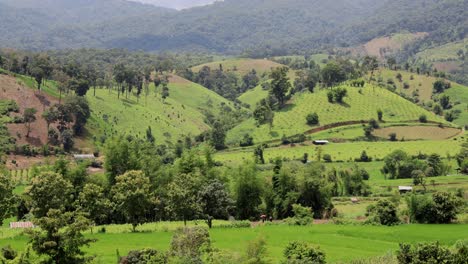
x=253 y=96
x=241 y=66
x=340 y=242
x=346 y=151
x=445 y=52
x=423 y=84
x=357 y=106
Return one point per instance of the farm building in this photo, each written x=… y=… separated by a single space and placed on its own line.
x=321 y=142
x=405 y=189
x=84 y=157
x=16 y=225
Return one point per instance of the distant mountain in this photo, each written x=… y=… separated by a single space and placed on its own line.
x=257 y=27
x=177 y=4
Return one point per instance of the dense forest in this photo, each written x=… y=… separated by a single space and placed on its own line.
x=224 y=27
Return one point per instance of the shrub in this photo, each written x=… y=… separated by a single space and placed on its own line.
x=374 y=124
x=423 y=118
x=384 y=213
x=144 y=256
x=189 y=244
x=301 y=252
x=393 y=137
x=380 y=114
x=256 y=251
x=327 y=158
x=302 y=216
x=9 y=253
x=430 y=253
x=247 y=141
x=441 y=208
x=312 y=119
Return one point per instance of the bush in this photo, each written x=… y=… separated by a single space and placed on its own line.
x=393 y=137
x=384 y=213
x=312 y=119
x=327 y=158
x=9 y=253
x=423 y=118
x=302 y=216
x=144 y=256
x=301 y=252
x=440 y=208
x=431 y=253
x=247 y=141
x=189 y=244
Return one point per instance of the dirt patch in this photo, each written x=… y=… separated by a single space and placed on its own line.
x=26 y=98
x=175 y=79
x=23 y=162
x=418 y=132
x=447 y=66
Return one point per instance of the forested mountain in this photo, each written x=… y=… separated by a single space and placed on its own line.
x=274 y=27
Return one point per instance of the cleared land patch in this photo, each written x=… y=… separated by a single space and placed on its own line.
x=418 y=132
x=241 y=66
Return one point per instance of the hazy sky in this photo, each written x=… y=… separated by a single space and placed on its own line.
x=177 y=4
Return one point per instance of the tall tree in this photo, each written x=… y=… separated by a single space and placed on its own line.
x=332 y=74
x=215 y=201
x=29 y=116
x=183 y=196
x=6 y=197
x=248 y=191
x=132 y=197
x=280 y=84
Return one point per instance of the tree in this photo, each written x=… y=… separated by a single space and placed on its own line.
x=423 y=118
x=38 y=75
x=301 y=252
x=120 y=158
x=79 y=108
x=67 y=140
x=218 y=136
x=444 y=101
x=419 y=178
x=446 y=207
x=312 y=119
x=384 y=213
x=380 y=115
x=440 y=86
x=393 y=137
x=189 y=244
x=80 y=87
x=7 y=198
x=60 y=237
x=29 y=117
x=92 y=201
x=149 y=135
x=332 y=74
x=183 y=196
x=370 y=64
x=50 y=116
x=215 y=201
x=314 y=191
x=280 y=84
x=132 y=197
x=48 y=191
x=430 y=253
x=248 y=190
x=247 y=141
x=258 y=154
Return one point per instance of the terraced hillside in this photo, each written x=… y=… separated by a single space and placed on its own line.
x=360 y=104
x=421 y=86
x=182 y=113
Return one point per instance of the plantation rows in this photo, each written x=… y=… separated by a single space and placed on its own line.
x=21 y=176
x=361 y=104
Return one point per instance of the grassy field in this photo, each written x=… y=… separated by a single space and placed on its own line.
x=253 y=96
x=444 y=52
x=341 y=243
x=241 y=66
x=423 y=85
x=346 y=151
x=357 y=106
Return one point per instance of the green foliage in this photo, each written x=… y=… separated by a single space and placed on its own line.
x=256 y=251
x=48 y=191
x=7 y=197
x=246 y=141
x=190 y=244
x=184 y=197
x=301 y=252
x=93 y=202
x=248 y=191
x=303 y=216
x=384 y=213
x=147 y=256
x=280 y=84
x=441 y=207
x=132 y=196
x=312 y=119
x=215 y=201
x=60 y=237
x=430 y=253
x=332 y=74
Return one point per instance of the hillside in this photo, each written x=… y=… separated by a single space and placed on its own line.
x=14 y=89
x=241 y=66
x=253 y=96
x=181 y=114
x=421 y=87
x=255 y=27
x=358 y=106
